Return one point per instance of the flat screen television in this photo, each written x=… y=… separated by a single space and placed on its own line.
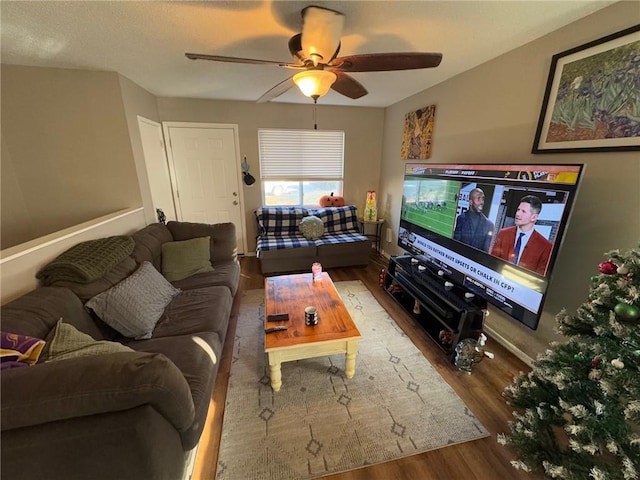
x=465 y=222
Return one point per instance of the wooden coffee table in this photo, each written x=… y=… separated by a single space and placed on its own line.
x=335 y=332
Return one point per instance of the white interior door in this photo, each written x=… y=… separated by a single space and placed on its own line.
x=155 y=161
x=204 y=161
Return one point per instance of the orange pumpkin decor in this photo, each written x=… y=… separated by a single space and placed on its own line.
x=331 y=200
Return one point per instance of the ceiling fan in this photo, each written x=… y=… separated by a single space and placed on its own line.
x=315 y=51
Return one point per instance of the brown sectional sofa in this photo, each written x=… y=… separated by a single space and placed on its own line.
x=125 y=415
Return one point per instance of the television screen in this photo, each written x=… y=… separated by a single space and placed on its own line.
x=493 y=229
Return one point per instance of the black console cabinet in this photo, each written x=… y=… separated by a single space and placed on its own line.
x=442 y=309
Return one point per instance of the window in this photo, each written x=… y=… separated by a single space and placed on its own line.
x=297 y=167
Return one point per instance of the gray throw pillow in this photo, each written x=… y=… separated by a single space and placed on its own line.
x=68 y=342
x=134 y=306
x=311 y=227
x=185 y=258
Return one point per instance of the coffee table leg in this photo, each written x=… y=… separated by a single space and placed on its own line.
x=350 y=360
x=275 y=371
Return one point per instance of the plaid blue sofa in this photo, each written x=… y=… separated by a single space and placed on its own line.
x=282 y=248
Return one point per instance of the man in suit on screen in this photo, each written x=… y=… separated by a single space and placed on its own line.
x=521 y=244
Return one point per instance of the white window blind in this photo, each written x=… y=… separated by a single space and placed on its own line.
x=301 y=154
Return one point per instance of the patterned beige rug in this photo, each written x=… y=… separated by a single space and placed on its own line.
x=321 y=423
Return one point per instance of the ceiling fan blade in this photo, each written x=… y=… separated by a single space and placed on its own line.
x=219 y=58
x=385 y=62
x=276 y=91
x=321 y=32
x=348 y=86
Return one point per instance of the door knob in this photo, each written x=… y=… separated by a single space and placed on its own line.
x=235 y=202
x=235 y=194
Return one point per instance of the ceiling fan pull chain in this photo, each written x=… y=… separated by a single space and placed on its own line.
x=315 y=124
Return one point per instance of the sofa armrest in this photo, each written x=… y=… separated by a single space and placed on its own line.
x=224 y=245
x=92 y=385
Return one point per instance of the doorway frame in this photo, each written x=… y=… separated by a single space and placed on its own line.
x=172 y=173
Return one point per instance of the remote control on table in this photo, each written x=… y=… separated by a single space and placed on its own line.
x=278 y=317
x=279 y=328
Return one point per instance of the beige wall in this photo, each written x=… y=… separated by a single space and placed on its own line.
x=362 y=127
x=66 y=154
x=489 y=114
x=71 y=137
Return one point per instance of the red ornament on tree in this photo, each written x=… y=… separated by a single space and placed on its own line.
x=595 y=363
x=608 y=268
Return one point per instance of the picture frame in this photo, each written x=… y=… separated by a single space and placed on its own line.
x=592 y=97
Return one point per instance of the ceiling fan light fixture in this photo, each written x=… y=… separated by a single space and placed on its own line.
x=314 y=83
x=316 y=58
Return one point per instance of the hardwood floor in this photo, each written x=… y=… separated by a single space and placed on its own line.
x=482 y=459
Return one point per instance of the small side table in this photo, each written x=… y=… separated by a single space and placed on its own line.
x=377 y=236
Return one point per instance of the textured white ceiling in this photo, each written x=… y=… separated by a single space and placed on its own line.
x=145 y=41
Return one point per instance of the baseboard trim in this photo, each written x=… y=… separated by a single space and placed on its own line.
x=508 y=345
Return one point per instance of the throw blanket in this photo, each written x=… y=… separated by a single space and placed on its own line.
x=87 y=261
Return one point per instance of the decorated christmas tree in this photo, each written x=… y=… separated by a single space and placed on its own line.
x=578 y=411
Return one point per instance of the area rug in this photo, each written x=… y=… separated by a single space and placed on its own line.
x=320 y=422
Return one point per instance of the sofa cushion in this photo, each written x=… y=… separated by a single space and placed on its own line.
x=36 y=313
x=134 y=306
x=311 y=227
x=279 y=242
x=67 y=342
x=192 y=355
x=148 y=244
x=185 y=258
x=280 y=220
x=223 y=238
x=338 y=219
x=341 y=238
x=19 y=350
x=95 y=384
x=197 y=310
x=225 y=275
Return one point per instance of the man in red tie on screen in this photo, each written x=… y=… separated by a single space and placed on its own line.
x=521 y=244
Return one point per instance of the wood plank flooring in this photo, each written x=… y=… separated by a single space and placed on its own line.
x=482 y=459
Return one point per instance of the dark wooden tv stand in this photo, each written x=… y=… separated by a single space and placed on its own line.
x=442 y=309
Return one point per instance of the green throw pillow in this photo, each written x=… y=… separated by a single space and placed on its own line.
x=68 y=342
x=311 y=227
x=185 y=258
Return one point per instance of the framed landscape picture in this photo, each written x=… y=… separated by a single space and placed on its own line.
x=592 y=98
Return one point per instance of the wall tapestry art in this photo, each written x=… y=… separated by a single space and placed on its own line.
x=418 y=134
